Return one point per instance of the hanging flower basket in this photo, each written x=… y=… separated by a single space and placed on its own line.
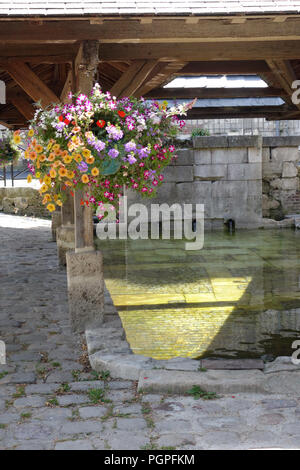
x=9 y=152
x=100 y=144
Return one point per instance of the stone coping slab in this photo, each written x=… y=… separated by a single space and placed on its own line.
x=109 y=351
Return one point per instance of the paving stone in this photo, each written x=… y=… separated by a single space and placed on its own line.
x=272 y=418
x=74 y=445
x=41 y=388
x=31 y=401
x=66 y=400
x=176 y=439
x=86 y=385
x=271 y=404
x=82 y=427
x=238 y=364
x=131 y=424
x=23 y=378
x=126 y=440
x=92 y=412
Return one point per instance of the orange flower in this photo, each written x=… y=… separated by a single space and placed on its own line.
x=42 y=158
x=51 y=157
x=52 y=173
x=78 y=158
x=85 y=179
x=90 y=160
x=62 y=172
x=32 y=156
x=38 y=148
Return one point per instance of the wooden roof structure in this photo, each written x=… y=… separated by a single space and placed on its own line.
x=144 y=45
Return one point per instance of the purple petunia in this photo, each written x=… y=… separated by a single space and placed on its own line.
x=113 y=153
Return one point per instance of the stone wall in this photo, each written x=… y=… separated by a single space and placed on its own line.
x=224 y=173
x=22 y=201
x=243 y=178
x=280 y=168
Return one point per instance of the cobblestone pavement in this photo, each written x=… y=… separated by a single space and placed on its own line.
x=50 y=399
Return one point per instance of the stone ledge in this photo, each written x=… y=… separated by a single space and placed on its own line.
x=226 y=141
x=284 y=141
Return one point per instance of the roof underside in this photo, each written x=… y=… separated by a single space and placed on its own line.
x=144 y=45
x=153 y=7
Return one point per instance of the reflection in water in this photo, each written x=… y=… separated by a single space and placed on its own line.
x=237 y=297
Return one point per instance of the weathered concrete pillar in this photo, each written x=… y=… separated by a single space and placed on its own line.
x=56 y=222
x=85 y=288
x=84 y=267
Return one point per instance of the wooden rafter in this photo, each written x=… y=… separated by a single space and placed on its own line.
x=127 y=77
x=140 y=78
x=285 y=75
x=161 y=74
x=220 y=67
x=31 y=83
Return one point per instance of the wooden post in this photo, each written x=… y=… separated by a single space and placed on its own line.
x=84 y=267
x=85 y=68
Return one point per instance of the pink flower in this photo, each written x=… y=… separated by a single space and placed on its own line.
x=155 y=182
x=161 y=177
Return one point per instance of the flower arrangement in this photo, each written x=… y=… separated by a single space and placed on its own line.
x=9 y=152
x=100 y=144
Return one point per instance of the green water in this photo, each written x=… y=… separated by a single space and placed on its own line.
x=237 y=297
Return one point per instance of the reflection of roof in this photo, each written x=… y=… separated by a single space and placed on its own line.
x=153 y=7
x=218 y=81
x=232 y=102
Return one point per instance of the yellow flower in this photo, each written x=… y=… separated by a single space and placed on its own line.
x=71 y=174
x=78 y=158
x=29 y=178
x=47 y=180
x=59 y=202
x=68 y=159
x=49 y=146
x=85 y=179
x=90 y=160
x=95 y=171
x=68 y=183
x=51 y=207
x=52 y=173
x=38 y=174
x=30 y=133
x=26 y=154
x=86 y=153
x=17 y=139
x=56 y=147
x=44 y=188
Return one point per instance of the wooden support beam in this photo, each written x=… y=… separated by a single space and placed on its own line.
x=24 y=107
x=68 y=86
x=127 y=77
x=180 y=51
x=139 y=78
x=31 y=83
x=37 y=53
x=160 y=75
x=211 y=93
x=159 y=30
x=285 y=75
x=85 y=67
x=220 y=67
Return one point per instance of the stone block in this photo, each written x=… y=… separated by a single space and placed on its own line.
x=210 y=172
x=210 y=142
x=229 y=155
x=65 y=238
x=272 y=168
x=21 y=202
x=286 y=154
x=289 y=170
x=284 y=141
x=254 y=187
x=244 y=141
x=178 y=174
x=249 y=171
x=254 y=154
x=202 y=157
x=85 y=288
x=228 y=189
x=266 y=154
x=198 y=192
x=184 y=157
x=285 y=183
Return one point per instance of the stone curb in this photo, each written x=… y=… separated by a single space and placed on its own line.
x=108 y=350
